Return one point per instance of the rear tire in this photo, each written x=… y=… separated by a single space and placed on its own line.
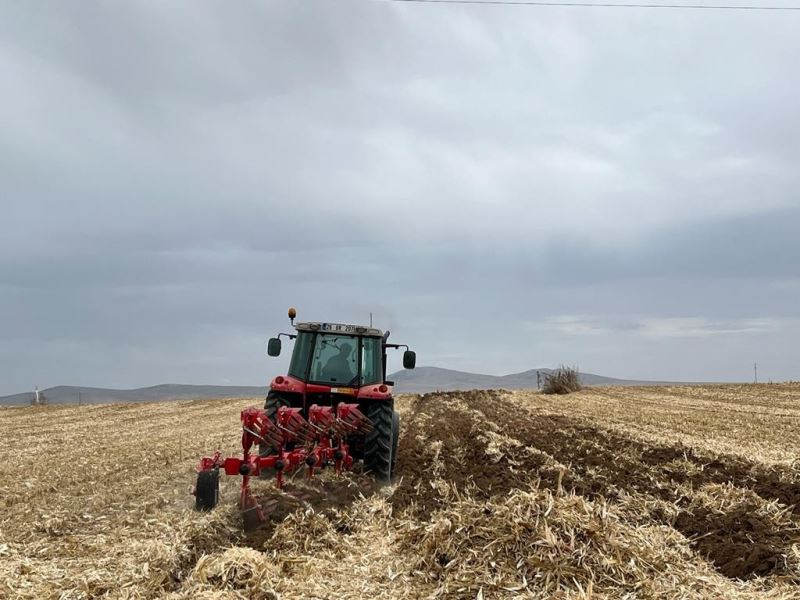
x=206 y=494
x=273 y=403
x=395 y=438
x=379 y=443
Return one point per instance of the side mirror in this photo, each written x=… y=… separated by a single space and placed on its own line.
x=274 y=347
x=409 y=359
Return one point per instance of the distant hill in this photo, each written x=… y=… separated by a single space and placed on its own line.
x=417 y=381
x=68 y=394
x=427 y=379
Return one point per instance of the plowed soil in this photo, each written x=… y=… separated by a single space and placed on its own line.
x=689 y=492
x=606 y=464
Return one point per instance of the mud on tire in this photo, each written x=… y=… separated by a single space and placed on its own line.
x=395 y=438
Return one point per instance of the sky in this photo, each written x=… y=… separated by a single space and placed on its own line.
x=502 y=187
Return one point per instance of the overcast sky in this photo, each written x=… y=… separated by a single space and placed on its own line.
x=504 y=187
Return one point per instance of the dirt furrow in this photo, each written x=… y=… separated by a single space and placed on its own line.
x=740 y=542
x=442 y=442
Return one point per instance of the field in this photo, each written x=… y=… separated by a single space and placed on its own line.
x=667 y=492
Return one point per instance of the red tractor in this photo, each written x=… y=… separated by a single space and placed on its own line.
x=334 y=408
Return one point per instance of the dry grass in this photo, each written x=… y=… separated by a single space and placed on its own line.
x=563 y=380
x=606 y=493
x=761 y=421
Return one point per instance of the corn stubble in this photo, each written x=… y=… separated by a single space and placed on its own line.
x=673 y=492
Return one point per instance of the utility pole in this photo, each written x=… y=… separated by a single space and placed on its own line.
x=755 y=372
x=370 y=320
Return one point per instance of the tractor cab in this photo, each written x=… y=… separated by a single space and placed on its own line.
x=336 y=356
x=326 y=354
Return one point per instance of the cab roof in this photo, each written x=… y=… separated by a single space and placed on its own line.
x=340 y=328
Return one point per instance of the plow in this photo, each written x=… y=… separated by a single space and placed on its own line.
x=334 y=409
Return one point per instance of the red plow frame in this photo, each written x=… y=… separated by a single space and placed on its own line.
x=296 y=442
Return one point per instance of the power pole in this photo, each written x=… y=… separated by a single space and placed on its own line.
x=755 y=372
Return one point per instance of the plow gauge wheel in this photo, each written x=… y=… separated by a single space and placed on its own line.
x=207 y=490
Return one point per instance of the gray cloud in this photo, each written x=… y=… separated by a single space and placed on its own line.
x=503 y=188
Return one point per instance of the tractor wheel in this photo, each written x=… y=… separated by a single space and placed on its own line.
x=273 y=403
x=379 y=442
x=206 y=494
x=395 y=438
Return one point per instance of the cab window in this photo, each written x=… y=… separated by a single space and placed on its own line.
x=371 y=361
x=335 y=360
x=302 y=350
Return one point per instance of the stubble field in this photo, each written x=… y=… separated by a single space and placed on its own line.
x=663 y=492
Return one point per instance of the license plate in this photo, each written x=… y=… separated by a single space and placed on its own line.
x=338 y=328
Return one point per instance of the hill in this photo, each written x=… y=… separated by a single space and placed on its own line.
x=68 y=394
x=428 y=379
x=417 y=381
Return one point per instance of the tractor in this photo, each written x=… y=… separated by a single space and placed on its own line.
x=333 y=408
